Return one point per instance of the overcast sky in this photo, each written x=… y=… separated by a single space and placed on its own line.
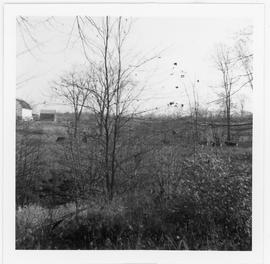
x=188 y=42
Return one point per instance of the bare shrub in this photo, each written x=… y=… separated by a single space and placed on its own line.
x=28 y=166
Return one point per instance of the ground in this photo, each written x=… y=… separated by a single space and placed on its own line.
x=171 y=193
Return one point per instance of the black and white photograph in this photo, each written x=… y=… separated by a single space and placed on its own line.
x=135 y=132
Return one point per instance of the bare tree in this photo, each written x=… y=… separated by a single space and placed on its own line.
x=244 y=54
x=75 y=88
x=113 y=95
x=194 y=108
x=28 y=31
x=227 y=66
x=196 y=114
x=242 y=102
x=32 y=44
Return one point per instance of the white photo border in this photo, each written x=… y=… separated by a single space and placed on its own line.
x=11 y=11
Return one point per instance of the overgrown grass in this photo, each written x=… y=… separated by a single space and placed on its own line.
x=205 y=204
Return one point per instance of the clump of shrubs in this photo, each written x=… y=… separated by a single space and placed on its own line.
x=213 y=204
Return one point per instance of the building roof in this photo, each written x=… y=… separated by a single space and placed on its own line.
x=47 y=111
x=24 y=104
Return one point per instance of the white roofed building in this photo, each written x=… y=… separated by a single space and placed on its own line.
x=23 y=110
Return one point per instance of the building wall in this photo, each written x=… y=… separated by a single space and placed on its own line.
x=18 y=110
x=47 y=117
x=27 y=114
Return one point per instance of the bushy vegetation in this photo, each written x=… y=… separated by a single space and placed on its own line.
x=168 y=198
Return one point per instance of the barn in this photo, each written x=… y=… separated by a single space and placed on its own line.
x=47 y=115
x=23 y=110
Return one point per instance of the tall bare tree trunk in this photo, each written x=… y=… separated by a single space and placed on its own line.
x=228 y=123
x=107 y=115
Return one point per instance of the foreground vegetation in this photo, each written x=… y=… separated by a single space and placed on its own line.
x=166 y=196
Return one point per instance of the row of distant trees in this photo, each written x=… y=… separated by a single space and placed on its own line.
x=235 y=65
